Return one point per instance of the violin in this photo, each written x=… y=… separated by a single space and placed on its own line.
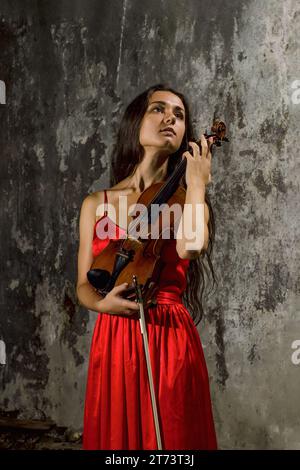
x=137 y=253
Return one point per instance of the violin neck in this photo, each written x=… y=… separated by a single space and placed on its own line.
x=170 y=186
x=166 y=191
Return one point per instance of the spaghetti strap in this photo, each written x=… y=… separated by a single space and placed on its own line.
x=105 y=203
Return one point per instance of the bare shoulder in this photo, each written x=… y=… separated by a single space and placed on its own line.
x=88 y=208
x=94 y=204
x=121 y=188
x=112 y=194
x=97 y=199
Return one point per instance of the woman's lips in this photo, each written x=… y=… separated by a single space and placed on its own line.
x=168 y=133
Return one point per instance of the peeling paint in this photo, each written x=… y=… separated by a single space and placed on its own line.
x=79 y=67
x=14 y=284
x=2 y=353
x=40 y=153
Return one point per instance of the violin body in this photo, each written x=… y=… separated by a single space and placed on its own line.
x=121 y=259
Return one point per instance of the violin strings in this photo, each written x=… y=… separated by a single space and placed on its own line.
x=167 y=184
x=180 y=168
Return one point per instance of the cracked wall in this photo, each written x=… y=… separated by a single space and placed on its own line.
x=69 y=70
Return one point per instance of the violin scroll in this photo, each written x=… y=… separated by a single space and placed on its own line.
x=217 y=131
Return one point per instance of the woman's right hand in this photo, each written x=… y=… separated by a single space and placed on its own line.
x=115 y=304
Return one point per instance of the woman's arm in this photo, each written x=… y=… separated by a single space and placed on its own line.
x=113 y=302
x=193 y=222
x=193 y=235
x=86 y=294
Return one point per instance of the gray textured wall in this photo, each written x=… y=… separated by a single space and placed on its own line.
x=70 y=68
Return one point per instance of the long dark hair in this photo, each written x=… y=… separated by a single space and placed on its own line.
x=128 y=153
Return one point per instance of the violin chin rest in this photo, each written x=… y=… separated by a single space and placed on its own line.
x=99 y=278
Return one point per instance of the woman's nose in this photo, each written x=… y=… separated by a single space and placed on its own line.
x=170 y=118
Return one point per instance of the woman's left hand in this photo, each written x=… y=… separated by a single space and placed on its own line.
x=199 y=164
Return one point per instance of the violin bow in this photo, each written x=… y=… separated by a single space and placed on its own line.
x=147 y=356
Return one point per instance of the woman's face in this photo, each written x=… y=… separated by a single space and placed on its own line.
x=165 y=110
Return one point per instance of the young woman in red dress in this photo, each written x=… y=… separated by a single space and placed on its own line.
x=118 y=411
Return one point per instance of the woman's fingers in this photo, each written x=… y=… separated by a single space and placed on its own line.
x=128 y=304
x=205 y=147
x=127 y=312
x=196 y=149
x=210 y=144
x=187 y=155
x=121 y=305
x=120 y=288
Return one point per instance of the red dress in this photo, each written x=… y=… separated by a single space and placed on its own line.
x=118 y=411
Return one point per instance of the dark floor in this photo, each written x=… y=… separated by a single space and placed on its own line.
x=35 y=441
x=20 y=434
x=38 y=440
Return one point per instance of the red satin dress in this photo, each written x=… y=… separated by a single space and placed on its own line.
x=118 y=411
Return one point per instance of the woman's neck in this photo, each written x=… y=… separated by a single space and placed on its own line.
x=152 y=169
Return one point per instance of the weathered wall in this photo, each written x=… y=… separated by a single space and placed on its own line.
x=70 y=68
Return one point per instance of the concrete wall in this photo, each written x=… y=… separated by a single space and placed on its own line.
x=70 y=68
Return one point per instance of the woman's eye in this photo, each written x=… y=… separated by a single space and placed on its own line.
x=178 y=114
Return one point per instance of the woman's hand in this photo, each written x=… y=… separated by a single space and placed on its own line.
x=199 y=164
x=114 y=304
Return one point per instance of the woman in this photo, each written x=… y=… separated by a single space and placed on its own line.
x=118 y=411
